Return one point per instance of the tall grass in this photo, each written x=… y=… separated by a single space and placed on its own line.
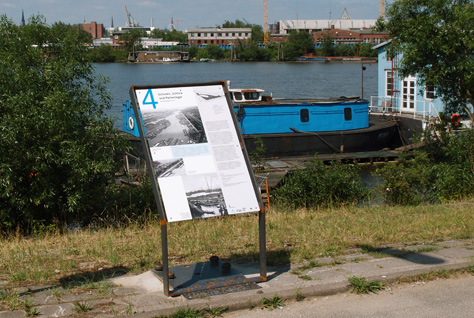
x=292 y=236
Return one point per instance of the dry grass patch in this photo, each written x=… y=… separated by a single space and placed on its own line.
x=93 y=254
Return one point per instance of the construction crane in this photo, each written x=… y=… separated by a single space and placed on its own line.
x=345 y=15
x=382 y=9
x=130 y=22
x=265 y=22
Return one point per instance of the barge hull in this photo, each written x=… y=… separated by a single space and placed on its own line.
x=379 y=135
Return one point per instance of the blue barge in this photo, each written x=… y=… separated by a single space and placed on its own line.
x=297 y=127
x=284 y=115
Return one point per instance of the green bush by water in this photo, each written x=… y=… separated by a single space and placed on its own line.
x=442 y=171
x=321 y=185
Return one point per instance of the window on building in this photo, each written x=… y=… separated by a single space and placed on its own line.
x=212 y=34
x=304 y=115
x=199 y=34
x=430 y=91
x=408 y=93
x=388 y=83
x=347 y=113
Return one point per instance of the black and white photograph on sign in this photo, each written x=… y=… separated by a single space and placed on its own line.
x=169 y=168
x=207 y=95
x=204 y=194
x=171 y=126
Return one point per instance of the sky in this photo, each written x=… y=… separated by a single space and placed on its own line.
x=186 y=13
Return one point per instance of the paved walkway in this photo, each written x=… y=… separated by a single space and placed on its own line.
x=142 y=295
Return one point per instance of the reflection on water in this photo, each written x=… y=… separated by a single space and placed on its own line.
x=373 y=183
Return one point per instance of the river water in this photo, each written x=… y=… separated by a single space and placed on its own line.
x=282 y=79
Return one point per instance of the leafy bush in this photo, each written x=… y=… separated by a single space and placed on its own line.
x=126 y=202
x=104 y=53
x=406 y=181
x=58 y=150
x=321 y=185
x=442 y=171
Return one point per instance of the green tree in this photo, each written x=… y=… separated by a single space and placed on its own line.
x=58 y=150
x=298 y=44
x=435 y=37
x=365 y=49
x=174 y=35
x=158 y=34
x=344 y=50
x=257 y=34
x=254 y=53
x=84 y=36
x=103 y=53
x=236 y=24
x=380 y=25
x=132 y=40
x=212 y=51
x=327 y=45
x=193 y=51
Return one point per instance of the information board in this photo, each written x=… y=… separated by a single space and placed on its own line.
x=196 y=151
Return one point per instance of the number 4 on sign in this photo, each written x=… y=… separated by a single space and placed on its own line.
x=149 y=99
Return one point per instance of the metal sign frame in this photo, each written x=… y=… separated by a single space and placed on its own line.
x=155 y=184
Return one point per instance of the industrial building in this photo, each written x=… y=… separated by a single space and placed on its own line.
x=218 y=36
x=343 y=31
x=95 y=29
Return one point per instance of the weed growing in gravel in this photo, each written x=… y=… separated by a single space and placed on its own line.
x=361 y=286
x=129 y=310
x=299 y=296
x=194 y=313
x=470 y=269
x=32 y=312
x=217 y=312
x=10 y=298
x=272 y=303
x=82 y=307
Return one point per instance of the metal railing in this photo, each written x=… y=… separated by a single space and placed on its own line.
x=423 y=109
